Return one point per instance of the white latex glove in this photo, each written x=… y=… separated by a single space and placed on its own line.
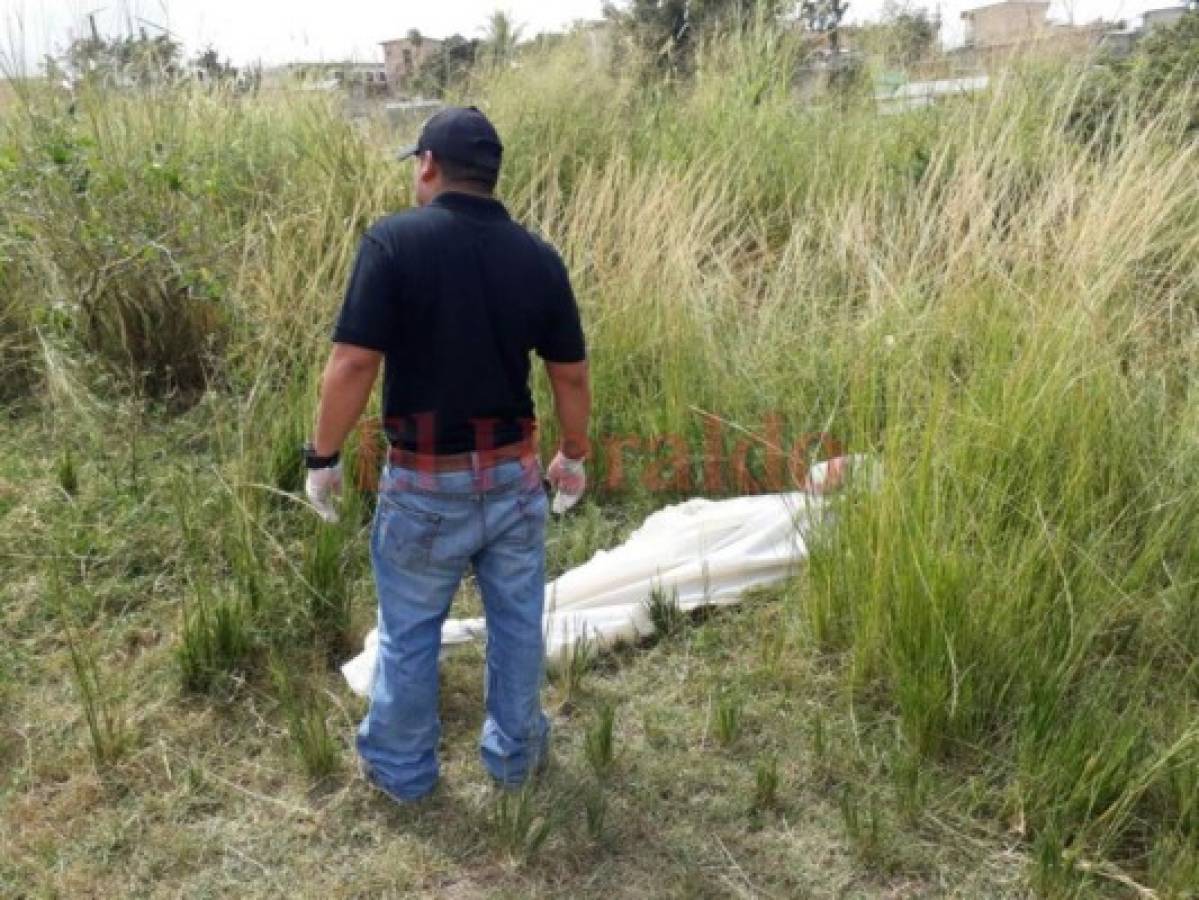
x=828 y=477
x=323 y=487
x=568 y=478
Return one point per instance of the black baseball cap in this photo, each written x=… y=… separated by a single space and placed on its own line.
x=460 y=134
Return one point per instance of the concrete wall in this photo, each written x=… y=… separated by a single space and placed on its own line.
x=1006 y=23
x=1160 y=18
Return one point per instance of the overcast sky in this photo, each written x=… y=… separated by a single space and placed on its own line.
x=276 y=31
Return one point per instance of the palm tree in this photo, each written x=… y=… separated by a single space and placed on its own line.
x=501 y=35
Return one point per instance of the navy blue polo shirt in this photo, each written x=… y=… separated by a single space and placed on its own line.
x=456 y=295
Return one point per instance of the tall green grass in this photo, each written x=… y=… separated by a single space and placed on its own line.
x=1001 y=311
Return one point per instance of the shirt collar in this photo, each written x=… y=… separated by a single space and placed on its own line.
x=471 y=205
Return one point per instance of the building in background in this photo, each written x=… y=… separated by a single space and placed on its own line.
x=403 y=59
x=1123 y=41
x=1007 y=23
x=998 y=31
x=1153 y=19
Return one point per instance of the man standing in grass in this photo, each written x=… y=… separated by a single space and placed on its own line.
x=451 y=297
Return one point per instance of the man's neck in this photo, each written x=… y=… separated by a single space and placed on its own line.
x=463 y=189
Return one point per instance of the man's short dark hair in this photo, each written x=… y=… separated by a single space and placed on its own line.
x=467 y=175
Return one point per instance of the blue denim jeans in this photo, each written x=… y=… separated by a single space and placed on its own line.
x=428 y=528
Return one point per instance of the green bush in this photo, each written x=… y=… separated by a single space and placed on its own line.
x=1167 y=62
x=1159 y=79
x=135 y=214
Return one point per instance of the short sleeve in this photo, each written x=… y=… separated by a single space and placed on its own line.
x=561 y=339
x=369 y=314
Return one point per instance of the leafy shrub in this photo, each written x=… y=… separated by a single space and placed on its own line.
x=1160 y=77
x=129 y=226
x=1167 y=63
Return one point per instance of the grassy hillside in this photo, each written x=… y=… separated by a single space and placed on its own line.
x=984 y=684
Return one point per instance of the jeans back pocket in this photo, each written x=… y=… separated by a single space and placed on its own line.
x=405 y=535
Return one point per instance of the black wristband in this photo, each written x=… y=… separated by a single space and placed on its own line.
x=313 y=461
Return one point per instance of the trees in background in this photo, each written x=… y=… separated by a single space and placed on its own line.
x=214 y=69
x=1168 y=59
x=659 y=27
x=824 y=17
x=905 y=35
x=500 y=38
x=912 y=33
x=140 y=60
x=134 y=59
x=457 y=56
x=1160 y=75
x=1165 y=67
x=667 y=30
x=452 y=62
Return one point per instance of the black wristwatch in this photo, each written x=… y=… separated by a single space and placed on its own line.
x=313 y=461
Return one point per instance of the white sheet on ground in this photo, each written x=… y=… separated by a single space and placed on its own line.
x=698 y=552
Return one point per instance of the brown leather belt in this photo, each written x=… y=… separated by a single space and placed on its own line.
x=460 y=462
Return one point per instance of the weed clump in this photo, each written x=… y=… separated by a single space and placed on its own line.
x=326 y=587
x=727 y=717
x=216 y=644
x=600 y=742
x=307 y=716
x=569 y=672
x=520 y=828
x=68 y=473
x=106 y=724
x=766 y=783
x=665 y=614
x=595 y=807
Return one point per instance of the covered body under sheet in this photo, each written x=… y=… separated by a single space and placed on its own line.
x=698 y=552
